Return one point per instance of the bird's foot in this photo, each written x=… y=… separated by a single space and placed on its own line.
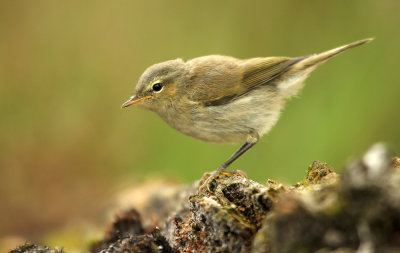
x=204 y=184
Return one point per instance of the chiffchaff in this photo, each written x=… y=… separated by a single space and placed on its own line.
x=222 y=99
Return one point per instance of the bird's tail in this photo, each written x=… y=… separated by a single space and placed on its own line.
x=315 y=60
x=293 y=79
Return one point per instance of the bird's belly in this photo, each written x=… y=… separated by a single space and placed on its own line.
x=234 y=122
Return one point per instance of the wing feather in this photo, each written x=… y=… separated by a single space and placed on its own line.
x=261 y=71
x=217 y=80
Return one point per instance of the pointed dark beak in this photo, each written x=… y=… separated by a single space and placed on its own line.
x=134 y=100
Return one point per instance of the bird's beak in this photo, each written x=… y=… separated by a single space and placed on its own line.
x=134 y=100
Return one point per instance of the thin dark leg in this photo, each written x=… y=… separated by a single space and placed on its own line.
x=204 y=183
x=236 y=155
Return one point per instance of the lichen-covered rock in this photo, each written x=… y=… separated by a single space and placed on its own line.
x=356 y=212
x=127 y=234
x=153 y=242
x=35 y=248
x=125 y=224
x=223 y=219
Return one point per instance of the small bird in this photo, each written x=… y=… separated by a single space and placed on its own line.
x=224 y=100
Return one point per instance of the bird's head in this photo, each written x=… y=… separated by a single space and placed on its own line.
x=158 y=85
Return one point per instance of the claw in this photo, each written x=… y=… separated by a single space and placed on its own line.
x=204 y=184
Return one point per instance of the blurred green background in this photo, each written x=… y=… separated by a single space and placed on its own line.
x=67 y=66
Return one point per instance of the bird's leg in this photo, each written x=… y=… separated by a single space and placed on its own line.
x=252 y=140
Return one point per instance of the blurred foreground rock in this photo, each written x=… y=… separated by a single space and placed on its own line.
x=357 y=211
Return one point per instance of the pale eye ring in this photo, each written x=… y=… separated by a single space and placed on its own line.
x=157 y=87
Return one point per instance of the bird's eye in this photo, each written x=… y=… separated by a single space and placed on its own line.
x=157 y=87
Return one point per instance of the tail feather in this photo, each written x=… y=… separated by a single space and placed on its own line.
x=293 y=79
x=318 y=59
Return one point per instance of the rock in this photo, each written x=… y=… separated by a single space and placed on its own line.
x=153 y=242
x=222 y=220
x=356 y=211
x=35 y=248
